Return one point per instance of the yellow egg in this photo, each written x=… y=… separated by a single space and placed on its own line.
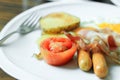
x=114 y=27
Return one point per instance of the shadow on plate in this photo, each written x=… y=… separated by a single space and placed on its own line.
x=71 y=64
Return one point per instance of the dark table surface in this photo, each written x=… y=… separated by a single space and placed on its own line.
x=11 y=8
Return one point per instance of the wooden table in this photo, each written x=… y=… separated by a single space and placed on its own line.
x=8 y=10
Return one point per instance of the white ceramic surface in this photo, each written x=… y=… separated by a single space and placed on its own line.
x=116 y=2
x=16 y=56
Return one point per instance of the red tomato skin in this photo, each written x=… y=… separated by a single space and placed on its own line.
x=57 y=59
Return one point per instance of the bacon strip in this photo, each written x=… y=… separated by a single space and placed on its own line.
x=97 y=40
x=72 y=38
x=111 y=43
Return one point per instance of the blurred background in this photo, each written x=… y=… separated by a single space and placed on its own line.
x=11 y=8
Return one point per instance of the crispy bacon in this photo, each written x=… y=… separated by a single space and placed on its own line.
x=79 y=40
x=111 y=43
x=72 y=38
x=104 y=40
x=104 y=35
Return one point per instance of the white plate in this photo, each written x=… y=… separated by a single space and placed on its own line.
x=116 y=2
x=16 y=56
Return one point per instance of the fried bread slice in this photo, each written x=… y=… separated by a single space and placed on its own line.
x=59 y=21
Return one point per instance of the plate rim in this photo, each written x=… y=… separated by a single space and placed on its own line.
x=17 y=71
x=116 y=2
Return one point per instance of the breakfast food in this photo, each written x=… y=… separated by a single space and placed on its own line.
x=105 y=39
x=114 y=27
x=84 y=60
x=57 y=51
x=99 y=64
x=59 y=21
x=91 y=44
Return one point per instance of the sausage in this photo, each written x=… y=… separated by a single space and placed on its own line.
x=84 y=60
x=99 y=65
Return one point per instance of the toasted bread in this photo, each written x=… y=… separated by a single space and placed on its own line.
x=57 y=22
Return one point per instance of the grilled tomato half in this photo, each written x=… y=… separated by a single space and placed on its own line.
x=57 y=50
